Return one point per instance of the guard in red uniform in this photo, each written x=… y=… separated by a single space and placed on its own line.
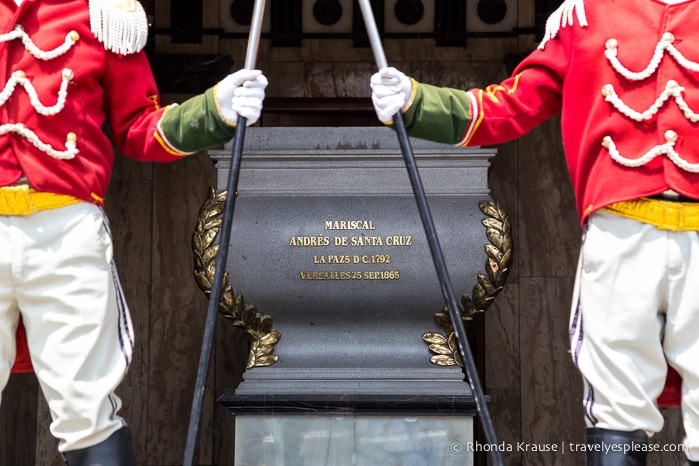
x=67 y=68
x=625 y=77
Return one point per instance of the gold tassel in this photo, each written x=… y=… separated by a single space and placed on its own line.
x=121 y=25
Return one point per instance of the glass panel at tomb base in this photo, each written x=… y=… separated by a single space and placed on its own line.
x=353 y=440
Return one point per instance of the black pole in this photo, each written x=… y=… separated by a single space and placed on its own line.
x=435 y=248
x=222 y=256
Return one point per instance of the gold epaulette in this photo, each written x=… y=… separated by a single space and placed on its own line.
x=121 y=25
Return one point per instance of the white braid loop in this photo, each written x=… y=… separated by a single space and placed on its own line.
x=667 y=149
x=18 y=33
x=18 y=78
x=672 y=89
x=18 y=128
x=665 y=44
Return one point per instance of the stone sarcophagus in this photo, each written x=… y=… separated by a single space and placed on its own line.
x=330 y=273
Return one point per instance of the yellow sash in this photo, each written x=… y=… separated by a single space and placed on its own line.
x=23 y=200
x=665 y=215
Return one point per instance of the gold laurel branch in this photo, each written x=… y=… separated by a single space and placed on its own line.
x=230 y=306
x=488 y=286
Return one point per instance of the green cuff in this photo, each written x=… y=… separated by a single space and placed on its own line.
x=196 y=124
x=438 y=114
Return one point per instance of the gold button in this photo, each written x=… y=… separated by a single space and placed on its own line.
x=19 y=74
x=607 y=142
x=68 y=74
x=71 y=137
x=669 y=37
x=612 y=44
x=74 y=35
x=607 y=90
x=670 y=136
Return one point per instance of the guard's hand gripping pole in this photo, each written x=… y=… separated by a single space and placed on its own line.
x=222 y=256
x=433 y=240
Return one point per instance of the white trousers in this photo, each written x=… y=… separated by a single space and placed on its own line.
x=635 y=310
x=56 y=270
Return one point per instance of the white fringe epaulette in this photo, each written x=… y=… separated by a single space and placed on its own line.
x=563 y=17
x=121 y=25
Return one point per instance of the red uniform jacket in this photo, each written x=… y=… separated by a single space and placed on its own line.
x=627 y=94
x=61 y=87
x=100 y=86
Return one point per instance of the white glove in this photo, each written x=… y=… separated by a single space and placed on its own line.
x=241 y=94
x=390 y=91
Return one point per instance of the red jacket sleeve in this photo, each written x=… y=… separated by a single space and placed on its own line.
x=506 y=111
x=132 y=105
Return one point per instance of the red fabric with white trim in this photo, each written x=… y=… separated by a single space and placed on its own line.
x=568 y=75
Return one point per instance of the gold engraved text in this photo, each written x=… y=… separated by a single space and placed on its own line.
x=309 y=241
x=349 y=225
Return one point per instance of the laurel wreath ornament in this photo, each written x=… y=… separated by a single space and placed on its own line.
x=499 y=252
x=230 y=306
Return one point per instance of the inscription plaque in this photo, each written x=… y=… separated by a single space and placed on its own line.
x=327 y=241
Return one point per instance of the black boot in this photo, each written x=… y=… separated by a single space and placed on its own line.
x=692 y=463
x=115 y=451
x=608 y=447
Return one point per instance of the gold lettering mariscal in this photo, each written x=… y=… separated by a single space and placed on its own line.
x=349 y=225
x=371 y=266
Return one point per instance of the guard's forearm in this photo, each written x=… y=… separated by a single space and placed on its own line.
x=438 y=114
x=196 y=124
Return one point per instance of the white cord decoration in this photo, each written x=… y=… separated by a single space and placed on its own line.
x=19 y=77
x=664 y=45
x=563 y=17
x=672 y=89
x=18 y=128
x=666 y=149
x=121 y=25
x=18 y=33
